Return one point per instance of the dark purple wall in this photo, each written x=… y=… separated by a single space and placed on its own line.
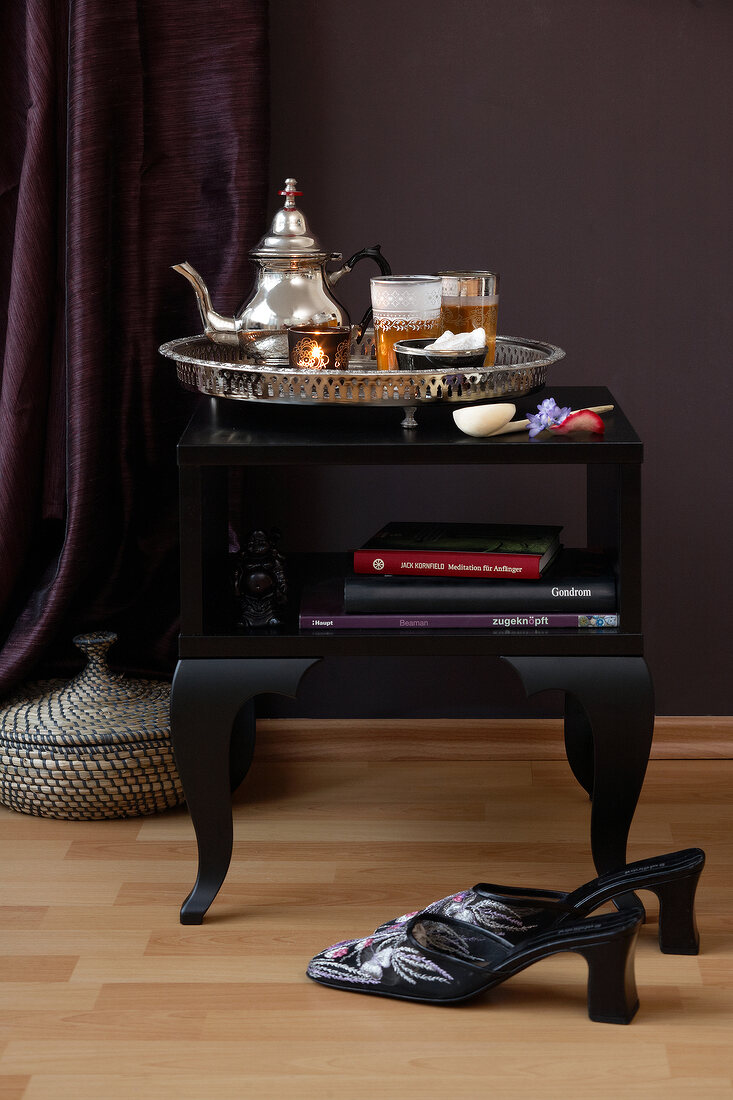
x=584 y=151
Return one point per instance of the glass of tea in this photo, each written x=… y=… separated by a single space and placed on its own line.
x=406 y=307
x=470 y=299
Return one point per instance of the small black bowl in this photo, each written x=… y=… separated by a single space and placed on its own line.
x=412 y=356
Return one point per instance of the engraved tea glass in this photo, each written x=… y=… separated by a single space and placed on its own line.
x=470 y=301
x=406 y=307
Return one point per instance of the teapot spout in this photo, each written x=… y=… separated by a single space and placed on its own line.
x=220 y=329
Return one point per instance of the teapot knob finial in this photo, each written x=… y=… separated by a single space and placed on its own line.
x=289 y=191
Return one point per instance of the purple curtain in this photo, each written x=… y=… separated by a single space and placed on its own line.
x=134 y=137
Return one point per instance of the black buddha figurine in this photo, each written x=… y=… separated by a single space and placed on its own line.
x=260 y=584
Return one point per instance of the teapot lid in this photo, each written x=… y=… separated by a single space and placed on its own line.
x=289 y=235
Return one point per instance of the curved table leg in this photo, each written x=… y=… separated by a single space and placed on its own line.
x=579 y=743
x=616 y=697
x=207 y=696
x=242 y=744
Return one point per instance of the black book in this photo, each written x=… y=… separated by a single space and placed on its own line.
x=575 y=581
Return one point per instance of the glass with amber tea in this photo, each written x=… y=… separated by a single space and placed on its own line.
x=406 y=307
x=470 y=300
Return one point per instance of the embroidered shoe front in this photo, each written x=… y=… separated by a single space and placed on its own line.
x=511 y=921
x=487 y=912
x=388 y=958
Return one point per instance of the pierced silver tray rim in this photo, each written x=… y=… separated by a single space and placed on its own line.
x=276 y=383
x=280 y=368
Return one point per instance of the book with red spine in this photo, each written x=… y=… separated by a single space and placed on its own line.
x=520 y=552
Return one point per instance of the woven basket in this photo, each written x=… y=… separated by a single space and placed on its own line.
x=97 y=746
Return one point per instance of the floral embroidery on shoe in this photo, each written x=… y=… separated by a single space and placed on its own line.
x=485 y=912
x=368 y=961
x=443 y=938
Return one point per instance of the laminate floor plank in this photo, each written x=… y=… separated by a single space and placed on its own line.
x=105 y=917
x=35 y=891
x=13 y=1087
x=675 y=738
x=74 y=942
x=571 y=849
x=524 y=1059
x=22 y=916
x=48 y=995
x=16 y=826
x=38 y=967
x=176 y=1024
x=339 y=1087
x=509 y=822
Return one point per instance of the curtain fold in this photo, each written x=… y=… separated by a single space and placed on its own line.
x=136 y=138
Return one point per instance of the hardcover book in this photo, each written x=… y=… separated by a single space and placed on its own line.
x=322 y=608
x=575 y=580
x=459 y=550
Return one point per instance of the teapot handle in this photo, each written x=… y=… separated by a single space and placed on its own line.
x=373 y=253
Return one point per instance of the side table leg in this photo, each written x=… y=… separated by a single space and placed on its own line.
x=206 y=698
x=242 y=745
x=579 y=743
x=616 y=696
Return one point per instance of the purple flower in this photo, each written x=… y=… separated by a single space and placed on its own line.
x=548 y=412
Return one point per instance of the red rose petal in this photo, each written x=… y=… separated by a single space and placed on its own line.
x=581 y=421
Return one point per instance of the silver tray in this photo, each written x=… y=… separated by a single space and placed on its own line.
x=521 y=368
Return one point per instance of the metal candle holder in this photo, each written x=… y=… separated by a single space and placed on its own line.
x=312 y=348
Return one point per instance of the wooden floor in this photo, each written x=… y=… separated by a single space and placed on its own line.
x=105 y=995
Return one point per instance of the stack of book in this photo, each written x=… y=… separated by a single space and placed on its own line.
x=413 y=576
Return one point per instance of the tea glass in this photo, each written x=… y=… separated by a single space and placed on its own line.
x=470 y=300
x=406 y=307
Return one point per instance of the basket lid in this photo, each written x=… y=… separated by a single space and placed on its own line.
x=96 y=706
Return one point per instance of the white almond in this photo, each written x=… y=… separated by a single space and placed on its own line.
x=481 y=420
x=459 y=341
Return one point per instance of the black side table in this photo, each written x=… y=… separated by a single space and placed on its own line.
x=609 y=712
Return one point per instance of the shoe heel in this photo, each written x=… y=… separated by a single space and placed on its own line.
x=612 y=996
x=678 y=934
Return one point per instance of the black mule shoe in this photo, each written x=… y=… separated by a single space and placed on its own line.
x=672 y=877
x=440 y=960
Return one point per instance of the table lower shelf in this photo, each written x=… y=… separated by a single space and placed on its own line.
x=220 y=638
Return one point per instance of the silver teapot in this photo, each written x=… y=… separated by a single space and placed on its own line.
x=292 y=287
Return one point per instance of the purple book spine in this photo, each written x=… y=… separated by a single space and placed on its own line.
x=341 y=621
